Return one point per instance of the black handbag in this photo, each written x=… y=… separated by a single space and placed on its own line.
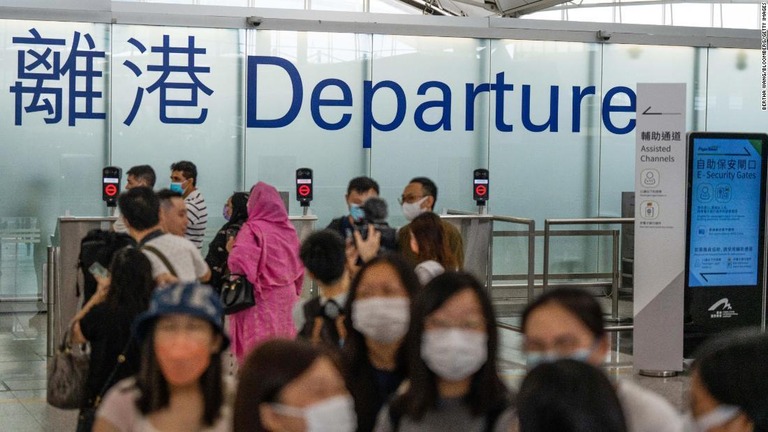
x=236 y=294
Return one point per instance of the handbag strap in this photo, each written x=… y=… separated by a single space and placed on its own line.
x=162 y=257
x=121 y=358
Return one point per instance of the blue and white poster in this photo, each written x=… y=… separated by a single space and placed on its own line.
x=725 y=212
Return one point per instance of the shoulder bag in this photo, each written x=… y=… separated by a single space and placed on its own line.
x=67 y=374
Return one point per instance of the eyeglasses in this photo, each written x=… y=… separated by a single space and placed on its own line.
x=409 y=199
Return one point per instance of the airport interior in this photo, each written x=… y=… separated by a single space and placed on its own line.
x=534 y=118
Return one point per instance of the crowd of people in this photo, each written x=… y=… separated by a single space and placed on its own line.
x=398 y=340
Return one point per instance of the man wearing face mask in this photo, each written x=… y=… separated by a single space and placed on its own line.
x=358 y=191
x=419 y=196
x=184 y=181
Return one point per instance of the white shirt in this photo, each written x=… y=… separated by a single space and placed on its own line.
x=184 y=257
x=197 y=215
x=646 y=411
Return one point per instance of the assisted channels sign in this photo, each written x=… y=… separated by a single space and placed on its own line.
x=726 y=229
x=659 y=228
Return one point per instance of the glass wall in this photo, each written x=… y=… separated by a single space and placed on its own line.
x=552 y=121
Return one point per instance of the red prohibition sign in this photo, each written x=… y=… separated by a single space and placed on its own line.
x=304 y=190
x=481 y=190
x=110 y=190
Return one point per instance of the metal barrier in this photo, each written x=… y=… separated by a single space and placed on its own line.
x=485 y=272
x=615 y=276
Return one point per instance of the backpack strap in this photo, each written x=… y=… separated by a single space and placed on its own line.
x=162 y=257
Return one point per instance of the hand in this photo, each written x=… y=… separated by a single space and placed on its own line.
x=352 y=258
x=230 y=243
x=102 y=286
x=165 y=279
x=368 y=248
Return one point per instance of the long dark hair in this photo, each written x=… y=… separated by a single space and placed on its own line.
x=578 y=303
x=132 y=283
x=358 y=371
x=487 y=392
x=732 y=368
x=433 y=243
x=266 y=371
x=239 y=209
x=155 y=394
x=568 y=396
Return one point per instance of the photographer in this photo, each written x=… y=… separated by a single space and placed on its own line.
x=370 y=236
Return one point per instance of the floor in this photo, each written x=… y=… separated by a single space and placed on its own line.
x=23 y=368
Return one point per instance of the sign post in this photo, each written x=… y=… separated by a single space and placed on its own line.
x=659 y=229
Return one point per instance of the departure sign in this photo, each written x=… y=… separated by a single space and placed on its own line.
x=726 y=209
x=480 y=185
x=110 y=185
x=304 y=186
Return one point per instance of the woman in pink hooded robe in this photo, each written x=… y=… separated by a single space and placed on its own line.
x=266 y=251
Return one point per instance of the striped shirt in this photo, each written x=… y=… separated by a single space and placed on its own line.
x=197 y=215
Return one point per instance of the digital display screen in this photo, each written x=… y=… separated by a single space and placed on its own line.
x=726 y=205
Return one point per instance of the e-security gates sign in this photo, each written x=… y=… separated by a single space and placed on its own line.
x=725 y=233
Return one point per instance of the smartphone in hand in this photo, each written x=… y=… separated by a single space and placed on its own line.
x=98 y=270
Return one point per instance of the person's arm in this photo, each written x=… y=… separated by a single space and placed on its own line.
x=99 y=296
x=103 y=425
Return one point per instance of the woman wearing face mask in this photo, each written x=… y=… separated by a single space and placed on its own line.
x=290 y=386
x=179 y=386
x=379 y=304
x=568 y=323
x=452 y=345
x=235 y=213
x=266 y=251
x=429 y=243
x=729 y=384
x=568 y=396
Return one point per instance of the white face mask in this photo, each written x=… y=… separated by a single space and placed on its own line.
x=335 y=414
x=383 y=319
x=454 y=354
x=412 y=210
x=717 y=417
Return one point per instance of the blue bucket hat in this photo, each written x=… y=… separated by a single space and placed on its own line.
x=187 y=298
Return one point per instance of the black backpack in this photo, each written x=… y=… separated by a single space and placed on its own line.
x=98 y=246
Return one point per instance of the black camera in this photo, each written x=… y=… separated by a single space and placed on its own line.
x=376 y=213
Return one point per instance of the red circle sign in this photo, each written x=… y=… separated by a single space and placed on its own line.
x=481 y=190
x=304 y=190
x=110 y=190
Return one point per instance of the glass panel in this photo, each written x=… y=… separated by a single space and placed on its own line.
x=623 y=67
x=393 y=7
x=691 y=15
x=433 y=138
x=177 y=96
x=644 y=14
x=337 y=5
x=545 y=164
x=746 y=16
x=53 y=139
x=734 y=103
x=330 y=68
x=284 y=4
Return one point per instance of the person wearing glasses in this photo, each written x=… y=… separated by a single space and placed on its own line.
x=419 y=196
x=567 y=323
